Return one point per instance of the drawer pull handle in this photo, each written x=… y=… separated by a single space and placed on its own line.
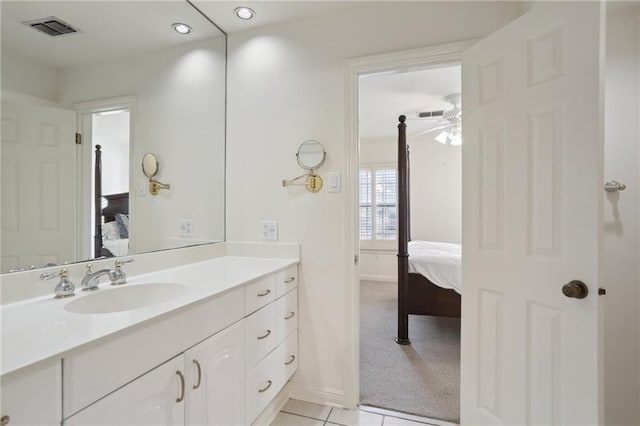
x=293 y=358
x=197 y=385
x=181 y=397
x=290 y=315
x=4 y=420
x=265 y=335
x=289 y=280
x=264 y=389
x=264 y=293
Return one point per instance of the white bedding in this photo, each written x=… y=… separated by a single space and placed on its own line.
x=118 y=247
x=441 y=263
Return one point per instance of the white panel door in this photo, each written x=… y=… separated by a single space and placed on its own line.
x=38 y=185
x=532 y=160
x=216 y=379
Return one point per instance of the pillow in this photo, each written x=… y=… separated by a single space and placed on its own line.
x=111 y=231
x=123 y=224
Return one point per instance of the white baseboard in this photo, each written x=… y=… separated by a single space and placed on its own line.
x=386 y=278
x=323 y=396
x=269 y=414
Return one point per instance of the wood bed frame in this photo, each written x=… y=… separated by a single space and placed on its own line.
x=416 y=294
x=116 y=203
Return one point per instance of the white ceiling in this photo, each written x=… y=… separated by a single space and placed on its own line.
x=119 y=29
x=109 y=29
x=267 y=12
x=383 y=98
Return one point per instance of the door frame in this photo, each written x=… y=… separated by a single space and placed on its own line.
x=405 y=60
x=84 y=155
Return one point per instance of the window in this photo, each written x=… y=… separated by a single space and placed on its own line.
x=378 y=205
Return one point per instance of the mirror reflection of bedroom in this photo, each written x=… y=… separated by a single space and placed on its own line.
x=411 y=362
x=110 y=132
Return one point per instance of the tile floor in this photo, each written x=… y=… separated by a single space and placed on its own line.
x=300 y=413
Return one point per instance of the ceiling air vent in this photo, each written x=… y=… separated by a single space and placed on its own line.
x=430 y=114
x=52 y=26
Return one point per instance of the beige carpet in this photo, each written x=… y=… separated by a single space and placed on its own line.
x=422 y=378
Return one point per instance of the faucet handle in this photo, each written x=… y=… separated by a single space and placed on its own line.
x=65 y=287
x=120 y=262
x=117 y=276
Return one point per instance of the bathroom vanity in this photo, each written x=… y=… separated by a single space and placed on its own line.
x=211 y=342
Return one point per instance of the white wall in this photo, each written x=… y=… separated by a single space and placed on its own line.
x=179 y=116
x=621 y=220
x=436 y=197
x=286 y=85
x=23 y=75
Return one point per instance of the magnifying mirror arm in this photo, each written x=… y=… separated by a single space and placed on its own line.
x=155 y=186
x=293 y=181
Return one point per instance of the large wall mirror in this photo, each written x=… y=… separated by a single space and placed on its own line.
x=122 y=76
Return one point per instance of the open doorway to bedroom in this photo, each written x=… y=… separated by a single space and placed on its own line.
x=421 y=378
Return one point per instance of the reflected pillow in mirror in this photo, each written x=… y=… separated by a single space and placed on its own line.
x=123 y=224
x=111 y=231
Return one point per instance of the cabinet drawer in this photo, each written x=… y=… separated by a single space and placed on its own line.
x=108 y=363
x=261 y=386
x=286 y=280
x=259 y=293
x=287 y=359
x=286 y=315
x=261 y=334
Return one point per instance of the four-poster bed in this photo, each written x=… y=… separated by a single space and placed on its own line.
x=111 y=221
x=418 y=294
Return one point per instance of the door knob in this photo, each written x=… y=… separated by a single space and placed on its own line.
x=575 y=289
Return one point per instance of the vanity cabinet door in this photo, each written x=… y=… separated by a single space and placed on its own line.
x=33 y=396
x=156 y=398
x=216 y=379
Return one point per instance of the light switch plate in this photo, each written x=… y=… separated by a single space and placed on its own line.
x=333 y=181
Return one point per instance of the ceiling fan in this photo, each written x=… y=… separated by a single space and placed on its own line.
x=448 y=122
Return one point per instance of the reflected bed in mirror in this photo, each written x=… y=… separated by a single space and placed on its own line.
x=124 y=56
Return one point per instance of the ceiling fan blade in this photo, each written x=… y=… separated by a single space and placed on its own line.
x=429 y=131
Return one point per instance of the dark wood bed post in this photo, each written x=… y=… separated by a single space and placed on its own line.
x=403 y=254
x=97 y=238
x=408 y=193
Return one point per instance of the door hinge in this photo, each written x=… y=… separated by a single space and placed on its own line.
x=78 y=139
x=355 y=259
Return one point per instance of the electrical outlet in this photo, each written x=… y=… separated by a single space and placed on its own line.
x=269 y=230
x=186 y=227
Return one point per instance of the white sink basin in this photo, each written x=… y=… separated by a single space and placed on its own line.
x=125 y=298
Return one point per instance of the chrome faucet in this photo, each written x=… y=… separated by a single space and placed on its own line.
x=65 y=287
x=91 y=280
x=116 y=275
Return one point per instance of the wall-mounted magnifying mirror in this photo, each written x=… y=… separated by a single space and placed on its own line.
x=311 y=155
x=150 y=168
x=149 y=165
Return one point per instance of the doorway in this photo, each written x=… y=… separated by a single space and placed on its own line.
x=109 y=125
x=422 y=378
x=406 y=61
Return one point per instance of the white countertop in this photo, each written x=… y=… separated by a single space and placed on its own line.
x=37 y=329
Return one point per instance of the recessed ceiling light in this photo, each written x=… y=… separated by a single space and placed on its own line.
x=181 y=28
x=244 y=13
